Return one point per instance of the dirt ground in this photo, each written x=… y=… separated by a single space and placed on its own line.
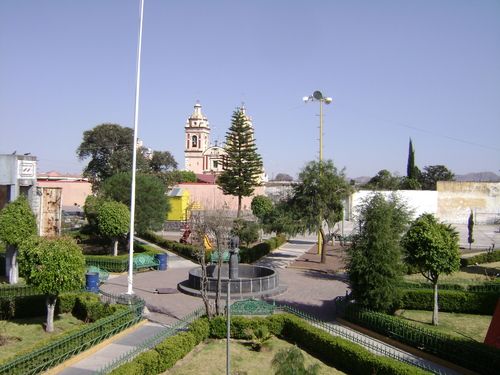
x=335 y=260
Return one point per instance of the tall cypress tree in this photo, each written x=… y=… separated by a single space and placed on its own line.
x=243 y=165
x=410 y=166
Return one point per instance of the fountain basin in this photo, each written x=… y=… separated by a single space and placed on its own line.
x=252 y=281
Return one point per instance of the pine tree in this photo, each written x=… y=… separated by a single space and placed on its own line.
x=243 y=165
x=410 y=166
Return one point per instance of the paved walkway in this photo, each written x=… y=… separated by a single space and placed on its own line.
x=311 y=291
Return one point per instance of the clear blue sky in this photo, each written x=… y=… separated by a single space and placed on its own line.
x=427 y=69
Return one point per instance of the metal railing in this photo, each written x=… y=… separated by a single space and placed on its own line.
x=69 y=345
x=375 y=346
x=153 y=341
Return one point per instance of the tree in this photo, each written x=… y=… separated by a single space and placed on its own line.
x=17 y=222
x=113 y=220
x=434 y=173
x=410 y=165
x=52 y=265
x=261 y=206
x=162 y=161
x=317 y=199
x=283 y=177
x=290 y=361
x=247 y=231
x=432 y=247
x=109 y=148
x=90 y=210
x=243 y=165
x=470 y=229
x=384 y=180
x=151 y=202
x=375 y=255
x=412 y=171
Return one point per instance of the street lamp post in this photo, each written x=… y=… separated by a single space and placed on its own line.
x=318 y=96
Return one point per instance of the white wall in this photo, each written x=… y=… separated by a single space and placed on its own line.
x=420 y=201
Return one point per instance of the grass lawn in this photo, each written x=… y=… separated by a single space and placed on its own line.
x=209 y=358
x=466 y=275
x=25 y=334
x=460 y=325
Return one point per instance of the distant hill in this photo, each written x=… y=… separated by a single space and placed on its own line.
x=478 y=177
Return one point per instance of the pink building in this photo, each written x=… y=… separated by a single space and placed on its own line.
x=75 y=188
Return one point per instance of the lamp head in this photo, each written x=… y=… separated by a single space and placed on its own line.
x=305 y=99
x=317 y=95
x=328 y=100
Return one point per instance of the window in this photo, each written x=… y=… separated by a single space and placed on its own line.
x=216 y=164
x=194 y=141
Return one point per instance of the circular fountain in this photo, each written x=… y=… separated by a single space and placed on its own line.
x=245 y=280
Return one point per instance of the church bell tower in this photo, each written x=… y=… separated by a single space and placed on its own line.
x=197 y=140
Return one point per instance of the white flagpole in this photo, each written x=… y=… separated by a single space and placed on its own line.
x=134 y=157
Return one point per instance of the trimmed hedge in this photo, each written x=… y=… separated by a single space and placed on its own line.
x=467 y=353
x=118 y=263
x=83 y=305
x=250 y=255
x=247 y=255
x=488 y=286
x=334 y=351
x=489 y=257
x=467 y=302
x=184 y=250
x=167 y=353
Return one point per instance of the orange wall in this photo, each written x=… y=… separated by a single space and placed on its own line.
x=72 y=191
x=210 y=197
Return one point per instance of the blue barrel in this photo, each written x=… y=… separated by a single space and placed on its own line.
x=92 y=282
x=163 y=259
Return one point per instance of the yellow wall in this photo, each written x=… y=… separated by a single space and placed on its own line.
x=178 y=207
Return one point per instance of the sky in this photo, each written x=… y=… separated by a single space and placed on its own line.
x=428 y=70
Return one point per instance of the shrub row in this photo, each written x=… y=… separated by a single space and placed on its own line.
x=167 y=353
x=118 y=263
x=250 y=255
x=184 y=250
x=84 y=306
x=247 y=255
x=59 y=350
x=467 y=302
x=467 y=353
x=334 y=351
x=489 y=286
x=489 y=257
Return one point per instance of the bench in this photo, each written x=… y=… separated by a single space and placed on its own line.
x=145 y=261
x=214 y=257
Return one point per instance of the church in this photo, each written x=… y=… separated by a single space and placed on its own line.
x=207 y=161
x=200 y=155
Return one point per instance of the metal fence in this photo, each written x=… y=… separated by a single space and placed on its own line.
x=153 y=341
x=374 y=346
x=69 y=345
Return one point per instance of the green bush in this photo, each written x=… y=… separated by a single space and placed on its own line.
x=184 y=250
x=149 y=361
x=489 y=257
x=200 y=329
x=174 y=348
x=467 y=302
x=89 y=308
x=250 y=255
x=340 y=353
x=84 y=306
x=130 y=368
x=467 y=353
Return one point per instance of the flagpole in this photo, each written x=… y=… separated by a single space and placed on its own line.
x=130 y=277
